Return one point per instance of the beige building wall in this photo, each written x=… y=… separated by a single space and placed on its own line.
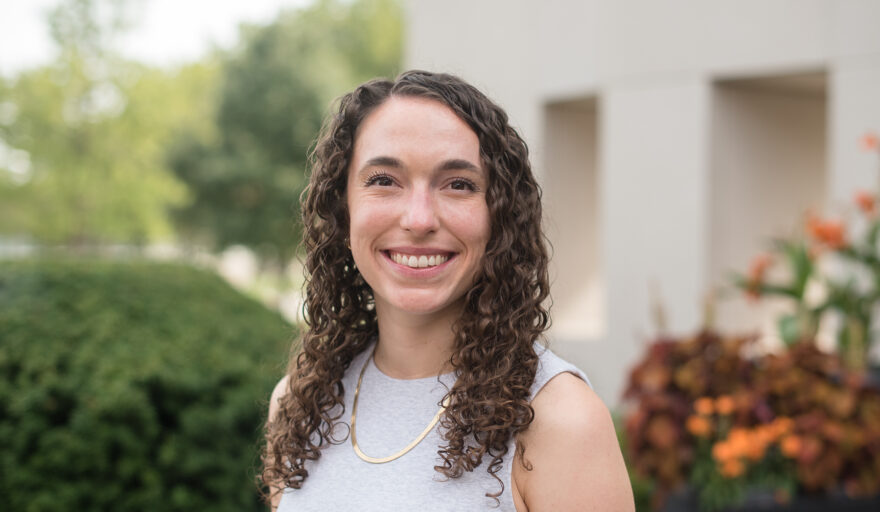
x=571 y=128
x=672 y=137
x=768 y=167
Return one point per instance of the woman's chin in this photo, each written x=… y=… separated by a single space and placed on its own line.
x=423 y=304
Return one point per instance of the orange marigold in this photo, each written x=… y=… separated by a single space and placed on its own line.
x=762 y=435
x=755 y=450
x=704 y=406
x=791 y=446
x=698 y=426
x=724 y=405
x=739 y=437
x=732 y=468
x=723 y=451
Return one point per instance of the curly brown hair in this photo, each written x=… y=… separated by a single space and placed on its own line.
x=493 y=358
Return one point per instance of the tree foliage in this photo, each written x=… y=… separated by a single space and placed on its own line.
x=82 y=141
x=247 y=178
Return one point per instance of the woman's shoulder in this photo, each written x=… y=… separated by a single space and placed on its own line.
x=564 y=401
x=572 y=447
x=567 y=402
x=281 y=389
x=551 y=365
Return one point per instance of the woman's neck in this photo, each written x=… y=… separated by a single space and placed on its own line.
x=414 y=346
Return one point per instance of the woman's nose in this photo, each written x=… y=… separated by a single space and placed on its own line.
x=420 y=215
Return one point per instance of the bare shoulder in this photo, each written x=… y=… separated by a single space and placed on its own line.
x=277 y=394
x=567 y=399
x=575 y=458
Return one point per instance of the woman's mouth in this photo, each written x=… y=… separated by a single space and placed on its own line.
x=418 y=260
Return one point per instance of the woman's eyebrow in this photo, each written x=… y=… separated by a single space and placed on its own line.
x=383 y=161
x=458 y=164
x=453 y=164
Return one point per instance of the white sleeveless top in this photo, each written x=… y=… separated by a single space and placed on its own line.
x=391 y=413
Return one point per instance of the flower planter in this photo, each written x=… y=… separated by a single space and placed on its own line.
x=686 y=501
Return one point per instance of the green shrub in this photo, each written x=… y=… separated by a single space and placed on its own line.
x=131 y=386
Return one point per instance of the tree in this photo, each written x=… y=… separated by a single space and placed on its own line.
x=246 y=180
x=84 y=138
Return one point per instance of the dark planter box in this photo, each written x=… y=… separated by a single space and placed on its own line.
x=686 y=501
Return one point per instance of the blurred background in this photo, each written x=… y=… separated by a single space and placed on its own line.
x=710 y=172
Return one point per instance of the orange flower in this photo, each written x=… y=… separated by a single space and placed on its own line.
x=865 y=201
x=732 y=468
x=764 y=435
x=828 y=232
x=755 y=450
x=724 y=405
x=739 y=437
x=870 y=141
x=698 y=426
x=704 y=406
x=723 y=451
x=834 y=234
x=791 y=446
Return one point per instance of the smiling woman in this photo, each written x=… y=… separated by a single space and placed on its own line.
x=416 y=194
x=427 y=278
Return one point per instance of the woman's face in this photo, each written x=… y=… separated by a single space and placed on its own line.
x=419 y=223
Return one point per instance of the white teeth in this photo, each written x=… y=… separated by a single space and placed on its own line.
x=418 y=261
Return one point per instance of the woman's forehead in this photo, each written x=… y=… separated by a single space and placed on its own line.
x=418 y=130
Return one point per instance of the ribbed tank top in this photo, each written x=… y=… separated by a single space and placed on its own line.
x=391 y=413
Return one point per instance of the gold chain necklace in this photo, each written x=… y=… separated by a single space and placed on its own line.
x=410 y=446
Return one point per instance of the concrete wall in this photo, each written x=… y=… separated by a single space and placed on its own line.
x=572 y=218
x=700 y=143
x=768 y=167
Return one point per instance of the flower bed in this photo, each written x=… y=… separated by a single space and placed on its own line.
x=783 y=425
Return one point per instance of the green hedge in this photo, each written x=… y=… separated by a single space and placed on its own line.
x=131 y=386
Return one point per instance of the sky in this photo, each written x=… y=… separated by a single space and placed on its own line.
x=166 y=32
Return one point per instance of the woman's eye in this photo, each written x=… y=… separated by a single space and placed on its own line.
x=462 y=184
x=382 y=180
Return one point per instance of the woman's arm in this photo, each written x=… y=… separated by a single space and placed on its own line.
x=279 y=391
x=574 y=453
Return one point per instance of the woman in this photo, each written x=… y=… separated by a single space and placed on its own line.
x=419 y=384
